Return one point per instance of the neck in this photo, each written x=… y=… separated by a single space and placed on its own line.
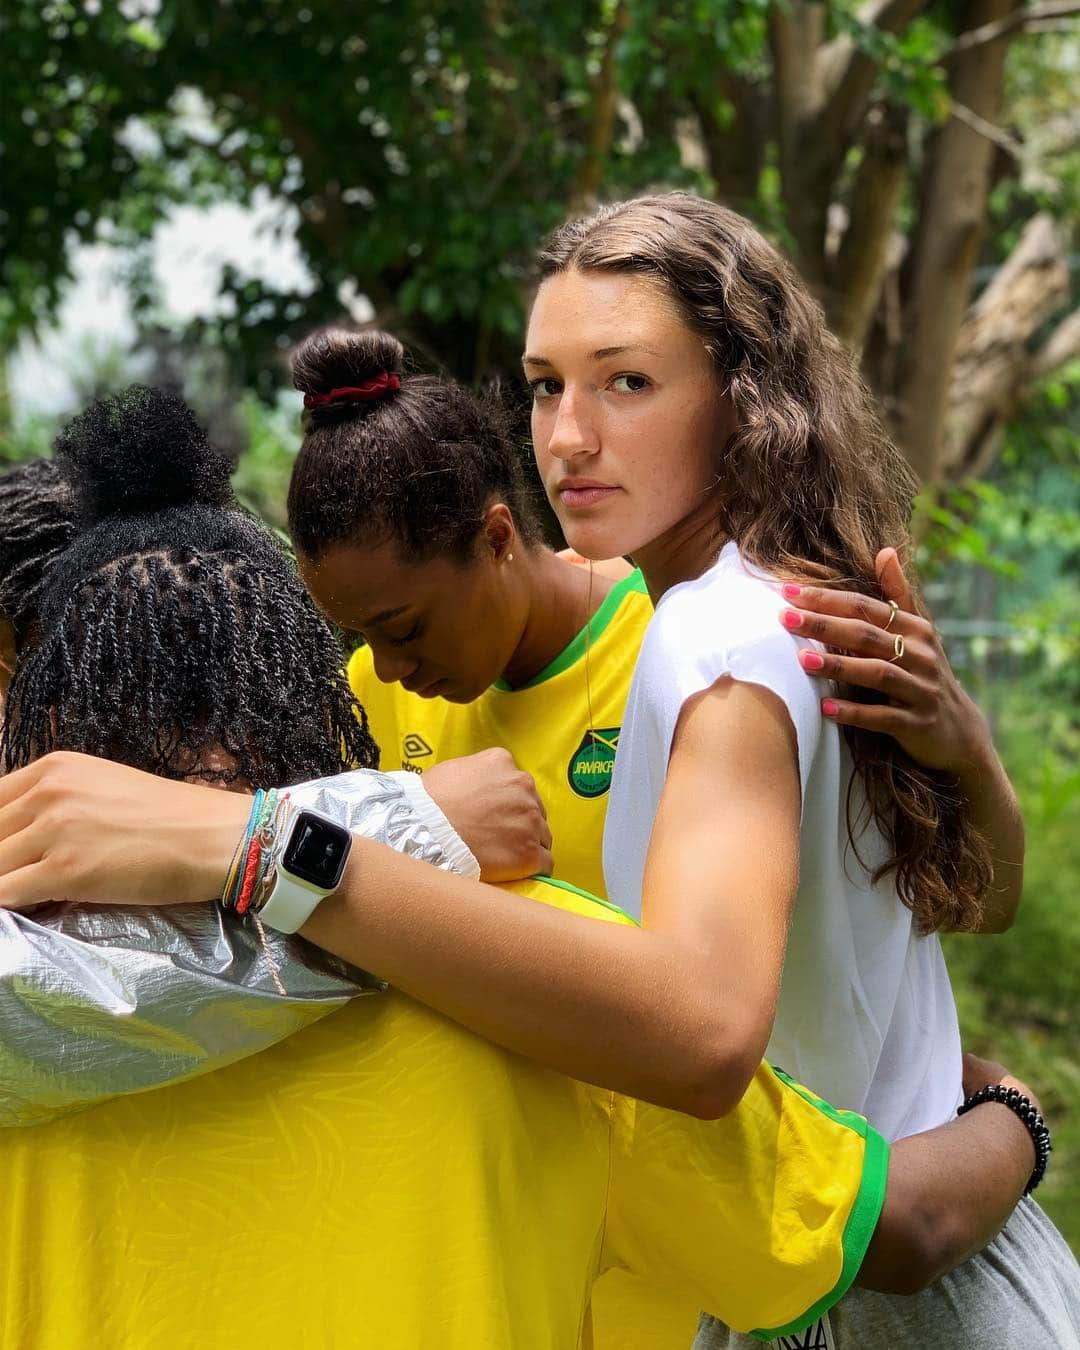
x=559 y=606
x=684 y=551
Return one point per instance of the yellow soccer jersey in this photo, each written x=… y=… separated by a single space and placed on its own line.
x=545 y=724
x=386 y=1175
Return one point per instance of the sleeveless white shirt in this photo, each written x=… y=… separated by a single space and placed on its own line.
x=866 y=1015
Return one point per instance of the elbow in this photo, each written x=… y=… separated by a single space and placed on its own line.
x=910 y=1251
x=1000 y=912
x=928 y=1259
x=721 y=1073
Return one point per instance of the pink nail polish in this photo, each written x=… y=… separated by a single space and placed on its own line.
x=792 y=618
x=791 y=592
x=811 y=660
x=828 y=707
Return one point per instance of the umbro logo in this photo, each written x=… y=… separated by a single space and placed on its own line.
x=413 y=746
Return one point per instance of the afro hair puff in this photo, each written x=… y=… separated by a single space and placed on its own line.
x=138 y=452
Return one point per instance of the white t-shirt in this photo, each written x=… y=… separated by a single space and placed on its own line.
x=866 y=1014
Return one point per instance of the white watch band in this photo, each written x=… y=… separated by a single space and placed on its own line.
x=290 y=904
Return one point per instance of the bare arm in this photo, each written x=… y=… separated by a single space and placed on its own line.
x=678 y=1014
x=950 y=1190
x=74 y=826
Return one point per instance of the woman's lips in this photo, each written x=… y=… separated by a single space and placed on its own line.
x=577 y=498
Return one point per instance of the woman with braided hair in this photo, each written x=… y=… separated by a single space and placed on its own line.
x=149 y=551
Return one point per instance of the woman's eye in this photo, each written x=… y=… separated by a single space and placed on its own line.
x=545 y=388
x=406 y=638
x=629 y=384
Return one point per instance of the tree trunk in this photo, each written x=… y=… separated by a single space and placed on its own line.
x=601 y=129
x=953 y=206
x=993 y=369
x=857 y=271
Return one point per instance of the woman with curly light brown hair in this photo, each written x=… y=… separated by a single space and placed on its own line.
x=692 y=410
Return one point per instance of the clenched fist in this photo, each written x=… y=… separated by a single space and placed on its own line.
x=496 y=809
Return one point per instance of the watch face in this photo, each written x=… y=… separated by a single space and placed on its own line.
x=317 y=851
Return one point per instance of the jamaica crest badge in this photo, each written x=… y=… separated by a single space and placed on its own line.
x=591 y=764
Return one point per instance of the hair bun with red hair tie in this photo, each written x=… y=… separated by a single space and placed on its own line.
x=385 y=382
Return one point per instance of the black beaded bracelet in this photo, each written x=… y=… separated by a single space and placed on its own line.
x=1028 y=1112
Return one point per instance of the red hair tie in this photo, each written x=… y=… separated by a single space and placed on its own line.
x=383 y=383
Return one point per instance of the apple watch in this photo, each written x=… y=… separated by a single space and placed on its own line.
x=309 y=866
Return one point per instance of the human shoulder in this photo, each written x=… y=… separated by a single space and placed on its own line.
x=726 y=624
x=731 y=608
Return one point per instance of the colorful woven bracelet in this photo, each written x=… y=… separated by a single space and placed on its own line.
x=274 y=833
x=244 y=872
x=261 y=853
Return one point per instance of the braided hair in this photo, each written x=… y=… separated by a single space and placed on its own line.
x=36 y=525
x=175 y=635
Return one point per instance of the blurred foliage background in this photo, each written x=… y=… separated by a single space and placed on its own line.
x=919 y=159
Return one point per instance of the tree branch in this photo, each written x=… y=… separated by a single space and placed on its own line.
x=806 y=177
x=853 y=82
x=937 y=274
x=994 y=369
x=1062 y=346
x=1019 y=18
x=602 y=122
x=995 y=135
x=735 y=148
x=859 y=268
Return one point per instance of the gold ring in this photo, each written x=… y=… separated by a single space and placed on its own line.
x=898 y=648
x=893 y=607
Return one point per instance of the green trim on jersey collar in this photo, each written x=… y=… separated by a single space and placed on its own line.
x=575 y=649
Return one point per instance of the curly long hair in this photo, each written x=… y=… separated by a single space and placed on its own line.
x=811 y=487
x=174 y=634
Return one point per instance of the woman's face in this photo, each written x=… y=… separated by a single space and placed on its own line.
x=442 y=628
x=627 y=413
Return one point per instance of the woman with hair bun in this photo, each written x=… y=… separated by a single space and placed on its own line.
x=414 y=526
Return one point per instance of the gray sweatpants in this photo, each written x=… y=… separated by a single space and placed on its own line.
x=1020 y=1293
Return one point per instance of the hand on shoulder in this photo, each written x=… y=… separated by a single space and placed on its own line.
x=885 y=646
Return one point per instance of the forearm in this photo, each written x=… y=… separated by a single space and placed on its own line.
x=950 y=1191
x=995 y=812
x=96 y=1002
x=628 y=1009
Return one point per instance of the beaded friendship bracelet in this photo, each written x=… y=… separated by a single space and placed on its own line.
x=1028 y=1112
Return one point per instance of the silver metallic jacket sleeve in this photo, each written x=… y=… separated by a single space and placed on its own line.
x=97 y=1001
